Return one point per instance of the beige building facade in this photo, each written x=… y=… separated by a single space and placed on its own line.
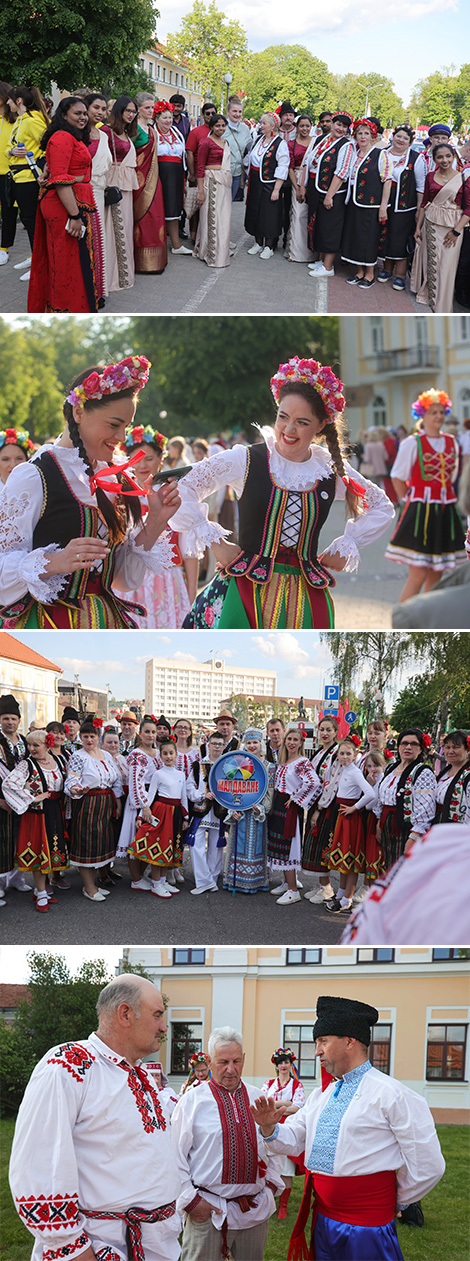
x=31 y=678
x=269 y=994
x=171 y=75
x=182 y=689
x=386 y=363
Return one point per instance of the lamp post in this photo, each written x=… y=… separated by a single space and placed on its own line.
x=364 y=85
x=227 y=80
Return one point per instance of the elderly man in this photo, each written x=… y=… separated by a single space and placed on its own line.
x=229 y=1181
x=370 y=1143
x=12 y=750
x=238 y=136
x=93 y=1171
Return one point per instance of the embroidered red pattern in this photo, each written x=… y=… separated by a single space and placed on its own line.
x=141 y=1086
x=74 y=1058
x=69 y=1250
x=239 y=1139
x=51 y=1212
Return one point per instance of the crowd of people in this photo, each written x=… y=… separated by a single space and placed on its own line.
x=102 y=185
x=212 y=1162
x=90 y=796
x=83 y=519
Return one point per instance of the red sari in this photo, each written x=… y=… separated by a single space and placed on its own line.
x=63 y=269
x=150 y=248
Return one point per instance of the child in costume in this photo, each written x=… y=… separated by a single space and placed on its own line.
x=158 y=838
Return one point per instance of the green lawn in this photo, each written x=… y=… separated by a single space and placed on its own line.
x=445 y=1237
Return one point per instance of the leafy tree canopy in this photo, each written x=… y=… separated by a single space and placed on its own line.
x=213 y=45
x=438 y=97
x=352 y=90
x=74 y=43
x=287 y=72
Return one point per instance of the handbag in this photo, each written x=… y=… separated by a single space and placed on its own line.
x=112 y=195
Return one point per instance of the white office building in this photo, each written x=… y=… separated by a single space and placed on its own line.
x=181 y=689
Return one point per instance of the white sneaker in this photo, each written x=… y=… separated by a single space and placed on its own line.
x=2 y=903
x=182 y=250
x=255 y=249
x=17 y=881
x=204 y=888
x=315 y=266
x=360 y=895
x=26 y=262
x=266 y=253
x=287 y=898
x=320 y=894
x=171 y=887
x=4 y=257
x=280 y=888
x=322 y=271
x=26 y=275
x=233 y=245
x=161 y=891
x=143 y=884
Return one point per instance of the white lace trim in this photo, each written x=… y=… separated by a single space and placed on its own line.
x=345 y=546
x=11 y=540
x=294 y=476
x=45 y=589
x=202 y=535
x=201 y=477
x=159 y=557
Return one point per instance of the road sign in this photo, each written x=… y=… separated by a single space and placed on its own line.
x=332 y=711
x=331 y=692
x=350 y=716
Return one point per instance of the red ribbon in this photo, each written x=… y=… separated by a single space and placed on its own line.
x=101 y=479
x=354 y=486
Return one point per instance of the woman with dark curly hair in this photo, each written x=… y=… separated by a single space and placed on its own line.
x=406 y=798
x=443 y=214
x=63 y=268
x=402 y=207
x=67 y=542
x=285 y=486
x=121 y=130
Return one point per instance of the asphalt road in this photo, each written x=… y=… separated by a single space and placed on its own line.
x=131 y=918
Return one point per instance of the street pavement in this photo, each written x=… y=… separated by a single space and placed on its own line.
x=131 y=918
x=364 y=600
x=249 y=286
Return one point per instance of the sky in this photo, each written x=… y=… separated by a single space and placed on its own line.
x=14 y=968
x=405 y=41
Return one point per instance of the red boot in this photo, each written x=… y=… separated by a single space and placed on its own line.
x=283 y=1202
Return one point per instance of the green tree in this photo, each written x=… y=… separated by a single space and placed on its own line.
x=287 y=72
x=447 y=658
x=30 y=397
x=380 y=653
x=74 y=43
x=213 y=45
x=417 y=704
x=435 y=98
x=351 y=91
x=462 y=97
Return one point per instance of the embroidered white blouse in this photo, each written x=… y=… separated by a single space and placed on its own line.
x=185 y=761
x=21 y=505
x=18 y=795
x=423 y=798
x=292 y=1092
x=256 y=155
x=407 y=455
x=229 y=468
x=112 y=1148
x=141 y=767
x=463 y=808
x=299 y=780
x=90 y=772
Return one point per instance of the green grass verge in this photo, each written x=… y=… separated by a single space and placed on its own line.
x=445 y=1236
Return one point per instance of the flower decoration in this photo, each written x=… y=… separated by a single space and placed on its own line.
x=302 y=732
x=97 y=723
x=130 y=373
x=364 y=122
x=283 y=1052
x=356 y=740
x=139 y=434
x=468 y=742
x=199 y=1057
x=16 y=438
x=425 y=400
x=312 y=373
x=161 y=106
x=427 y=742
x=388 y=755
x=50 y=740
x=67 y=728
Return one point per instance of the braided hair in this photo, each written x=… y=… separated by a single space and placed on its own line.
x=116 y=515
x=333 y=434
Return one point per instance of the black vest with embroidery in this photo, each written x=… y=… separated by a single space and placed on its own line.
x=368 y=186
x=406 y=196
x=269 y=162
x=327 y=164
x=261 y=510
x=452 y=807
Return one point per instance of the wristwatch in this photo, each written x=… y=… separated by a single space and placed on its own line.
x=454 y=233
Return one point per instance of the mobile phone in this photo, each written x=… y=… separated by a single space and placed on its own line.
x=160 y=478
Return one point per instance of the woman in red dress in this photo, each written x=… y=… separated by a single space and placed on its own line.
x=63 y=272
x=150 y=249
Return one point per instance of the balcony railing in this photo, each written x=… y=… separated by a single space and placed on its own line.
x=408 y=359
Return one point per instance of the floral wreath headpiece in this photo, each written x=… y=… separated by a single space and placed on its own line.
x=17 y=438
x=285 y=1053
x=130 y=373
x=97 y=722
x=138 y=434
x=364 y=122
x=312 y=373
x=467 y=741
x=199 y=1057
x=426 y=400
x=161 y=106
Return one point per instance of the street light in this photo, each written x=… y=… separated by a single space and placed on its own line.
x=364 y=85
x=227 y=80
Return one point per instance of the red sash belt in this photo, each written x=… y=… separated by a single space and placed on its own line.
x=293 y=813
x=165 y=157
x=133 y=1217
x=367 y=1200
x=386 y=811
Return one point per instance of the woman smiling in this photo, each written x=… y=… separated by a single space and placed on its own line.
x=441 y=219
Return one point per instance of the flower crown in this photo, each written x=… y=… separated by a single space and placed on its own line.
x=199 y=1057
x=283 y=1052
x=426 y=400
x=364 y=122
x=323 y=381
x=137 y=435
x=17 y=438
x=161 y=106
x=132 y=372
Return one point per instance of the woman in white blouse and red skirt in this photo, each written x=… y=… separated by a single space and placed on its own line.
x=296 y=786
x=35 y=791
x=406 y=800
x=158 y=839
x=286 y=486
x=346 y=849
x=95 y=786
x=286 y=1088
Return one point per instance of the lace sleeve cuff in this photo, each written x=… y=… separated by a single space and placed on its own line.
x=345 y=546
x=44 y=588
x=159 y=557
x=202 y=534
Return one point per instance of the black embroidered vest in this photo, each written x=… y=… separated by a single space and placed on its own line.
x=405 y=197
x=326 y=166
x=269 y=162
x=262 y=506
x=368 y=186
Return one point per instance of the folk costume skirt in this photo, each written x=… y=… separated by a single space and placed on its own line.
x=428 y=534
x=160 y=844
x=92 y=834
x=286 y=602
x=263 y=217
x=374 y=864
x=345 y=852
x=245 y=865
x=361 y=235
x=297 y=248
x=63 y=268
x=8 y=837
x=318 y=837
x=212 y=244
x=42 y=839
x=325 y=227
x=394 y=234
x=393 y=839
x=284 y=846
x=92 y=608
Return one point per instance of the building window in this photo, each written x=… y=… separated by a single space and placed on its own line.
x=192 y=956
x=379 y=1050
x=171 y=76
x=296 y=957
x=142 y=63
x=450 y=952
x=164 y=74
x=177 y=79
x=464 y=404
x=369 y=954
x=377 y=334
x=186 y=1039
x=464 y=328
x=379 y=411
x=158 y=76
x=446 y=1052
x=300 y=1040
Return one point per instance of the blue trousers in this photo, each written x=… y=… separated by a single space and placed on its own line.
x=337 y=1241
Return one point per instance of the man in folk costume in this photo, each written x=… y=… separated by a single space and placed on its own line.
x=370 y=1144
x=225 y=724
x=228 y=1180
x=129 y=724
x=208 y=816
x=71 y=719
x=12 y=750
x=87 y=1106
